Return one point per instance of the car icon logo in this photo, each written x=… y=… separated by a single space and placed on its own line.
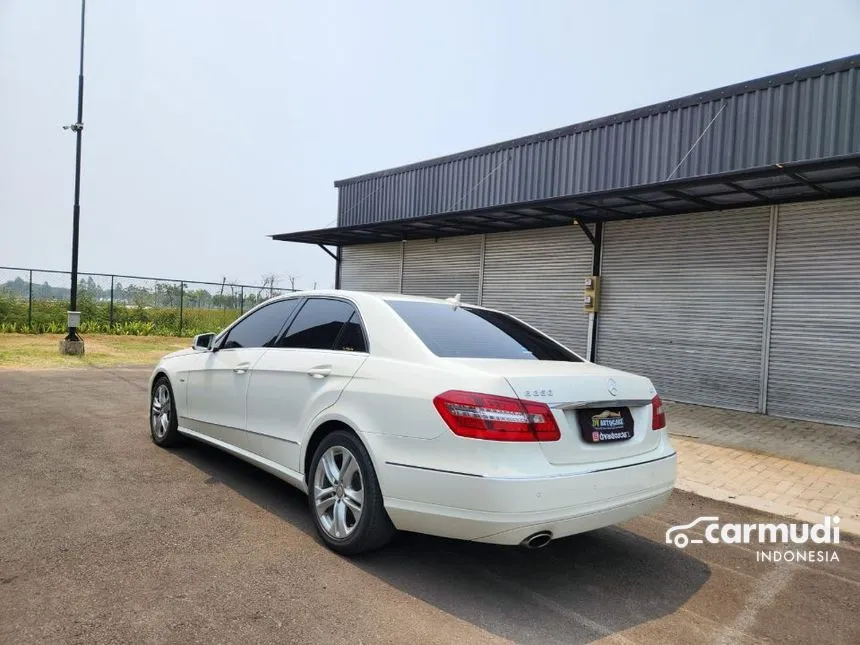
x=612 y=386
x=675 y=535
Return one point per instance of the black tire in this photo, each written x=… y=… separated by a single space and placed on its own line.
x=169 y=437
x=373 y=529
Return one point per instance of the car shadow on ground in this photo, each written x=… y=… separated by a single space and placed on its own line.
x=574 y=590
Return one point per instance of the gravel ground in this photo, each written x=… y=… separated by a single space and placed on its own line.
x=105 y=538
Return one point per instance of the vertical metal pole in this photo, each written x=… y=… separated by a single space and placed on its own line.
x=402 y=260
x=337 y=265
x=596 y=255
x=241 y=300
x=764 y=370
x=76 y=212
x=110 y=311
x=481 y=269
x=181 y=304
x=30 y=305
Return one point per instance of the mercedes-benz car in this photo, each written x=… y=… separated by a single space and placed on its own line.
x=395 y=412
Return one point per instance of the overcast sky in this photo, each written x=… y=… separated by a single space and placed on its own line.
x=212 y=124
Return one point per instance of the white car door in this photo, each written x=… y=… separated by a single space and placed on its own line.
x=303 y=375
x=218 y=387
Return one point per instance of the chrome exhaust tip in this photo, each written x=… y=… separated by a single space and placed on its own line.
x=537 y=540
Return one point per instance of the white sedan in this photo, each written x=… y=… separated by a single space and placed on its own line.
x=395 y=412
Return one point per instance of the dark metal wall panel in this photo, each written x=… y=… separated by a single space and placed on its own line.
x=797 y=118
x=814 y=358
x=683 y=303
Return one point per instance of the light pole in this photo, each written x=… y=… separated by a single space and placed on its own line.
x=73 y=344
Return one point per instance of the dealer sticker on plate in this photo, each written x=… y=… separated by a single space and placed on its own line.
x=609 y=426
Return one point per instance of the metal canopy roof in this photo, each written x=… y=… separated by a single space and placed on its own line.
x=796 y=181
x=803 y=115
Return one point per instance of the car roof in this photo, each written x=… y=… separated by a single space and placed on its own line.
x=363 y=295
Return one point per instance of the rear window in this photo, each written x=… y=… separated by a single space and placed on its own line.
x=466 y=332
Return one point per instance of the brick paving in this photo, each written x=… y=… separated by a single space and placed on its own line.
x=790 y=468
x=812 y=443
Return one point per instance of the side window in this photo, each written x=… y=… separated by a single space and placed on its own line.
x=351 y=337
x=262 y=327
x=319 y=325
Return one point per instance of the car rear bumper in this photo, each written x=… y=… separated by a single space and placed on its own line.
x=507 y=510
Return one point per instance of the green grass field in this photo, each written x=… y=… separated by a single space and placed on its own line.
x=29 y=351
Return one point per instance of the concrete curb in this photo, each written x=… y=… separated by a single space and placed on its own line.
x=846 y=524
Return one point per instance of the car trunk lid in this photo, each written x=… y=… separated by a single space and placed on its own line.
x=603 y=414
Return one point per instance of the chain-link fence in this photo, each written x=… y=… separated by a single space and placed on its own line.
x=36 y=300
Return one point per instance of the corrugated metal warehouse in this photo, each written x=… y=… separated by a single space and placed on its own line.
x=724 y=228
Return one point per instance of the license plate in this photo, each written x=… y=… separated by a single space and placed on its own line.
x=605 y=425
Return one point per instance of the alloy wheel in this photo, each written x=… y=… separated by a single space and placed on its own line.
x=161 y=409
x=338 y=492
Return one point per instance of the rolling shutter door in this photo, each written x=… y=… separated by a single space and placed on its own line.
x=443 y=268
x=683 y=303
x=371 y=267
x=814 y=360
x=538 y=276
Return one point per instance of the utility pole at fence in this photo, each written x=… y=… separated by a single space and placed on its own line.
x=73 y=344
x=30 y=304
x=181 y=304
x=110 y=312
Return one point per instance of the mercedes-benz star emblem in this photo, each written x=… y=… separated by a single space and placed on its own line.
x=612 y=386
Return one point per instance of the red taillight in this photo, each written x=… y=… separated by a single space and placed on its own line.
x=496 y=418
x=658 y=416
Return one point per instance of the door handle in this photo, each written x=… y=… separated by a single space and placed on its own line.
x=241 y=368
x=319 y=372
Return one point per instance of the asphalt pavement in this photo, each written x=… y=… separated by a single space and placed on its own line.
x=105 y=538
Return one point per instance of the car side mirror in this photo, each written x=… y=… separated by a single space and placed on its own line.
x=203 y=341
